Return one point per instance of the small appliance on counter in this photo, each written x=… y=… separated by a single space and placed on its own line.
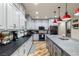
x=41 y=33
x=15 y=36
x=6 y=37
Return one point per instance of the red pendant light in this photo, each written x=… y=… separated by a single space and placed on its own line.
x=55 y=21
x=59 y=18
x=77 y=12
x=66 y=16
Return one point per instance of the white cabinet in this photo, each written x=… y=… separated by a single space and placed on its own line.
x=22 y=21
x=12 y=17
x=28 y=46
x=22 y=9
x=2 y=16
x=36 y=37
x=17 y=18
x=24 y=49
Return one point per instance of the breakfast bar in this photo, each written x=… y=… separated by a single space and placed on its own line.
x=60 y=47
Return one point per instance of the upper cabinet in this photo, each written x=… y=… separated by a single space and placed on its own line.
x=22 y=9
x=22 y=21
x=15 y=17
x=2 y=16
x=10 y=16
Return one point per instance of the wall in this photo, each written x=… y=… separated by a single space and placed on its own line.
x=62 y=28
x=74 y=32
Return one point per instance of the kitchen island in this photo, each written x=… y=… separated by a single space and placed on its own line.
x=16 y=46
x=59 y=47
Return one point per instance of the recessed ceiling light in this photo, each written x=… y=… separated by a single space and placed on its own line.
x=35 y=3
x=36 y=12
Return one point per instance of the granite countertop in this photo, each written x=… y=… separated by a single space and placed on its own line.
x=7 y=50
x=70 y=46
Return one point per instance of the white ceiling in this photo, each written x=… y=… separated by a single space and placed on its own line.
x=46 y=9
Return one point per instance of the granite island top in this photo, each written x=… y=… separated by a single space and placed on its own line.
x=7 y=50
x=70 y=46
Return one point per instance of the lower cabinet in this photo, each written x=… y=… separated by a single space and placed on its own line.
x=24 y=49
x=57 y=51
x=53 y=49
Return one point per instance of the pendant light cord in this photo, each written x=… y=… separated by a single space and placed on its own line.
x=59 y=18
x=59 y=11
x=66 y=9
x=54 y=14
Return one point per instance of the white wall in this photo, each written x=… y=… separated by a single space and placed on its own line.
x=75 y=33
x=62 y=28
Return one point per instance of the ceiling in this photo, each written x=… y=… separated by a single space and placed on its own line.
x=45 y=10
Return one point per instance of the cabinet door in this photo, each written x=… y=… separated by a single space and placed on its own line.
x=50 y=47
x=53 y=49
x=21 y=49
x=28 y=45
x=22 y=21
x=57 y=51
x=16 y=20
x=10 y=16
x=2 y=16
